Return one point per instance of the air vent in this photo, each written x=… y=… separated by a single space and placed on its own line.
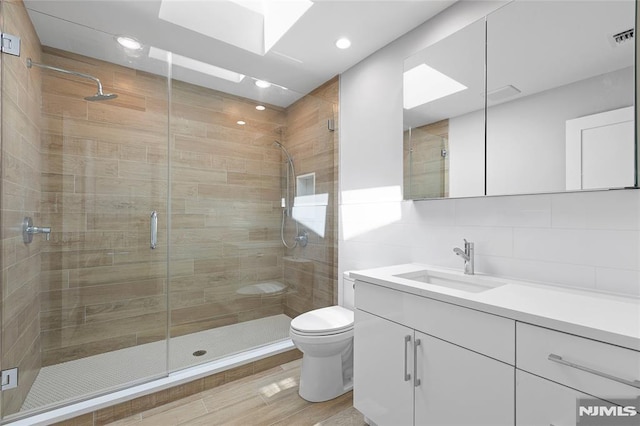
x=623 y=36
x=502 y=93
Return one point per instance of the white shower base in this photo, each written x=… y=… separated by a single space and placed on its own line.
x=109 y=371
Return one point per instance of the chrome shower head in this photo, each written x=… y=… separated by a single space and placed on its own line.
x=101 y=97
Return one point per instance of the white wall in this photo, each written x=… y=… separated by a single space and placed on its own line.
x=529 y=133
x=581 y=239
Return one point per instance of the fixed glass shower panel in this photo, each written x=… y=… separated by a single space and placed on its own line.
x=227 y=287
x=84 y=296
x=234 y=285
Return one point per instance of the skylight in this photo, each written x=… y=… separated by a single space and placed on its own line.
x=253 y=25
x=195 y=65
x=423 y=84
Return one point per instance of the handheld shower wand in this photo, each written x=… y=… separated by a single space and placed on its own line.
x=287 y=203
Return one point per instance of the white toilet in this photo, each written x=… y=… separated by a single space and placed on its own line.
x=325 y=338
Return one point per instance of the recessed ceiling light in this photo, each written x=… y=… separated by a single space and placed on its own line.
x=262 y=84
x=260 y=107
x=240 y=122
x=129 y=43
x=343 y=43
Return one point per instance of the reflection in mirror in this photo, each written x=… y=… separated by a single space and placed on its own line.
x=444 y=117
x=559 y=107
x=560 y=95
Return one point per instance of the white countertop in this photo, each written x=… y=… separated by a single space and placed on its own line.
x=600 y=316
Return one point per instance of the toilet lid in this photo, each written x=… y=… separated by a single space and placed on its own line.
x=324 y=321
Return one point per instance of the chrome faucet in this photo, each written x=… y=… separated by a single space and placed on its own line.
x=467 y=255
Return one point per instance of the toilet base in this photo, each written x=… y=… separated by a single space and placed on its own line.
x=321 y=378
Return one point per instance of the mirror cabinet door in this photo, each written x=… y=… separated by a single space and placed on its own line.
x=558 y=114
x=444 y=117
x=560 y=95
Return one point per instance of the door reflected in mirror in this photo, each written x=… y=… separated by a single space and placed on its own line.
x=560 y=87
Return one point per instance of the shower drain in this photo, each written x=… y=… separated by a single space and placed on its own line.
x=199 y=353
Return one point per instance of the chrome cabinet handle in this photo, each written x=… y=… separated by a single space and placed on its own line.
x=154 y=229
x=416 y=380
x=407 y=340
x=559 y=360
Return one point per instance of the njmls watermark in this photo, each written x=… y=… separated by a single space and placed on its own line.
x=619 y=412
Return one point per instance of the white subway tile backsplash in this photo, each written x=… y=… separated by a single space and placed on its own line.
x=618 y=209
x=365 y=255
x=538 y=271
x=618 y=281
x=488 y=241
x=604 y=248
x=434 y=245
x=587 y=240
x=425 y=213
x=513 y=211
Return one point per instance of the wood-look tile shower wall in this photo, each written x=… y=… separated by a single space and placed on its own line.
x=20 y=197
x=104 y=171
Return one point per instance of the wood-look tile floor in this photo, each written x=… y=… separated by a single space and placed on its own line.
x=267 y=398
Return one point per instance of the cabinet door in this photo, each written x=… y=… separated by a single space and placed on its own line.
x=540 y=402
x=461 y=387
x=382 y=391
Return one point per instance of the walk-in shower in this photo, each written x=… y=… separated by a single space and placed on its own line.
x=99 y=96
x=94 y=310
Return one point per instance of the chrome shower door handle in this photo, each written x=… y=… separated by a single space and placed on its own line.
x=154 y=229
x=407 y=375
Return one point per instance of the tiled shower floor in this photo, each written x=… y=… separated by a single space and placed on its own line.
x=110 y=371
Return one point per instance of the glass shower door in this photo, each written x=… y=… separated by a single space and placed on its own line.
x=84 y=300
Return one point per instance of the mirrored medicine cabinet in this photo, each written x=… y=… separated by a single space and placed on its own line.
x=536 y=97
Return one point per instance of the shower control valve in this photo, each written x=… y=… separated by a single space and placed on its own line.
x=28 y=230
x=302 y=238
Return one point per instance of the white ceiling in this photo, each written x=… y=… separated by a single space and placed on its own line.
x=304 y=58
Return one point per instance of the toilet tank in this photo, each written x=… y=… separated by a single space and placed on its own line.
x=347 y=292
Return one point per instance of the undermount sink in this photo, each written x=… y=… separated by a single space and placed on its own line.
x=469 y=283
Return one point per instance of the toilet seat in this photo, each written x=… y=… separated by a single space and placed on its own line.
x=322 y=322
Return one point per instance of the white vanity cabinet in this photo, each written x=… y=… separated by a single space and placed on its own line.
x=382 y=358
x=501 y=354
x=424 y=362
x=461 y=387
x=556 y=369
x=541 y=402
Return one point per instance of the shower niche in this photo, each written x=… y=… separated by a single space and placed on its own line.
x=306 y=184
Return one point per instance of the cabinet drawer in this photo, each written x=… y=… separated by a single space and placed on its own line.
x=542 y=402
x=535 y=345
x=487 y=334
